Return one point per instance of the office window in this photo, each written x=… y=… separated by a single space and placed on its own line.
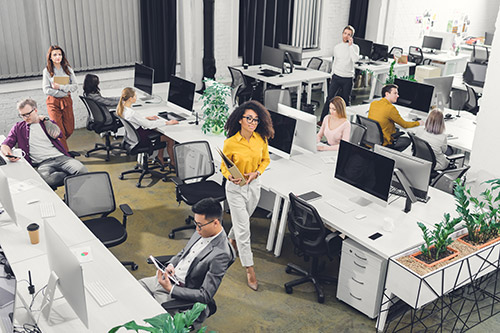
x=94 y=34
x=305 y=29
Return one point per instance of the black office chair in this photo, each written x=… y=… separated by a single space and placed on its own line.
x=181 y=304
x=131 y=142
x=274 y=96
x=480 y=54
x=423 y=150
x=445 y=181
x=357 y=133
x=246 y=90
x=393 y=51
x=101 y=121
x=314 y=63
x=195 y=165
x=373 y=135
x=310 y=239
x=415 y=55
x=92 y=194
x=471 y=104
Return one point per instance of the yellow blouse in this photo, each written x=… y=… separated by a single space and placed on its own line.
x=249 y=156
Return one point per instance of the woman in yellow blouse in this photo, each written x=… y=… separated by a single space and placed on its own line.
x=248 y=129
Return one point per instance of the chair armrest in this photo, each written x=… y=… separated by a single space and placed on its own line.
x=127 y=211
x=154 y=136
x=163 y=259
x=455 y=157
x=397 y=134
x=177 y=304
x=176 y=180
x=333 y=243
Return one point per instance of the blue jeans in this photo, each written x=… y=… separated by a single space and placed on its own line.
x=54 y=170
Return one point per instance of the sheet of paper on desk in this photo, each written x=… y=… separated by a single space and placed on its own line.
x=21 y=186
x=83 y=254
x=329 y=159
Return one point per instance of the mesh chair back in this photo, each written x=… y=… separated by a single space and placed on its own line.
x=274 y=96
x=480 y=54
x=471 y=98
x=446 y=179
x=373 y=134
x=306 y=227
x=237 y=77
x=315 y=63
x=100 y=114
x=89 y=194
x=395 y=49
x=194 y=160
x=131 y=137
x=422 y=149
x=357 y=133
x=415 y=55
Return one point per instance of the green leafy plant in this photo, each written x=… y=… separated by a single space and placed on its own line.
x=164 y=323
x=391 y=76
x=439 y=237
x=215 y=108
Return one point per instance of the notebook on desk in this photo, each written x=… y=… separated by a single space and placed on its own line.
x=268 y=72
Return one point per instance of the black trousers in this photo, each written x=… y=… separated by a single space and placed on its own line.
x=341 y=86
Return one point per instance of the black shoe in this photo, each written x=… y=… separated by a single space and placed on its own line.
x=73 y=153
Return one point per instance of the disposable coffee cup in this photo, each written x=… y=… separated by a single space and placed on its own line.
x=33 y=231
x=245 y=66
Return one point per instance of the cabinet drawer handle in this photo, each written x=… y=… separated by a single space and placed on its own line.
x=355 y=263
x=359 y=256
x=357 y=281
x=359 y=299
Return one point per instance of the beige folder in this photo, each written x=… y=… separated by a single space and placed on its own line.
x=62 y=80
x=233 y=169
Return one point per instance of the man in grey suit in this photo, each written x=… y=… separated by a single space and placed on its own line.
x=201 y=265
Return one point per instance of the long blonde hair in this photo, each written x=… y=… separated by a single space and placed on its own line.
x=339 y=104
x=126 y=94
x=435 y=122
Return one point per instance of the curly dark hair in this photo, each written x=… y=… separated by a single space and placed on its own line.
x=265 y=127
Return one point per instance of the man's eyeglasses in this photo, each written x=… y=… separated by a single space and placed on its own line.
x=199 y=225
x=251 y=120
x=26 y=115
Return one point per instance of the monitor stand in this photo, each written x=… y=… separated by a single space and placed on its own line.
x=363 y=202
x=274 y=157
x=146 y=97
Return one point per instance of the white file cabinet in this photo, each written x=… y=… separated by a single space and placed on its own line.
x=361 y=278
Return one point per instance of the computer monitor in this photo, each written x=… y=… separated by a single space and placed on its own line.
x=6 y=200
x=448 y=39
x=305 y=132
x=442 y=86
x=432 y=43
x=284 y=134
x=181 y=92
x=272 y=56
x=475 y=74
x=365 y=170
x=365 y=46
x=143 y=79
x=416 y=170
x=66 y=274
x=294 y=51
x=379 y=52
x=488 y=38
x=417 y=96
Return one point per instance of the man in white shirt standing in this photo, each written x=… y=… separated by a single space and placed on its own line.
x=345 y=54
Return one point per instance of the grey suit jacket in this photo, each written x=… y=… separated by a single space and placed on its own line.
x=207 y=270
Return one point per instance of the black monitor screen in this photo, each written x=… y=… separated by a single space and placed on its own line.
x=143 y=78
x=475 y=74
x=379 y=52
x=272 y=56
x=364 y=169
x=417 y=96
x=433 y=43
x=181 y=92
x=365 y=46
x=294 y=51
x=284 y=132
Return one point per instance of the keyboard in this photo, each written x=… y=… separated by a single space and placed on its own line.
x=171 y=115
x=343 y=206
x=47 y=209
x=269 y=72
x=7 y=324
x=100 y=293
x=2 y=161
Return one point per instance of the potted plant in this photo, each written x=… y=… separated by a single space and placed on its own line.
x=164 y=323
x=435 y=248
x=215 y=107
x=483 y=221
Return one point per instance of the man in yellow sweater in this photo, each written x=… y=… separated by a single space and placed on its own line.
x=387 y=116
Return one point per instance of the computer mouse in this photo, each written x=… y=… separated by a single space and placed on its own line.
x=448 y=115
x=281 y=75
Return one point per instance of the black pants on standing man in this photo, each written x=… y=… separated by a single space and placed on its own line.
x=344 y=84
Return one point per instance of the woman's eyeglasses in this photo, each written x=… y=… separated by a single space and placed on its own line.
x=251 y=120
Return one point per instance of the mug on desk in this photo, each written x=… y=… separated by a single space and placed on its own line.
x=18 y=152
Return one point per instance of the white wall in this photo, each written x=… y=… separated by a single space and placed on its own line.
x=401 y=29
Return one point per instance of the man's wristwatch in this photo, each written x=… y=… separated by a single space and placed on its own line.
x=46 y=119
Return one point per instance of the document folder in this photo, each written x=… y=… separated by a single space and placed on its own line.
x=62 y=80
x=233 y=169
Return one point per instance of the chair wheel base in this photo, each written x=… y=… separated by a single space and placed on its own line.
x=288 y=270
x=120 y=177
x=87 y=155
x=171 y=235
x=138 y=185
x=289 y=290
x=321 y=299
x=135 y=267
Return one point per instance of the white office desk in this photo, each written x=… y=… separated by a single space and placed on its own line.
x=449 y=64
x=133 y=302
x=461 y=128
x=458 y=84
x=292 y=80
x=380 y=71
